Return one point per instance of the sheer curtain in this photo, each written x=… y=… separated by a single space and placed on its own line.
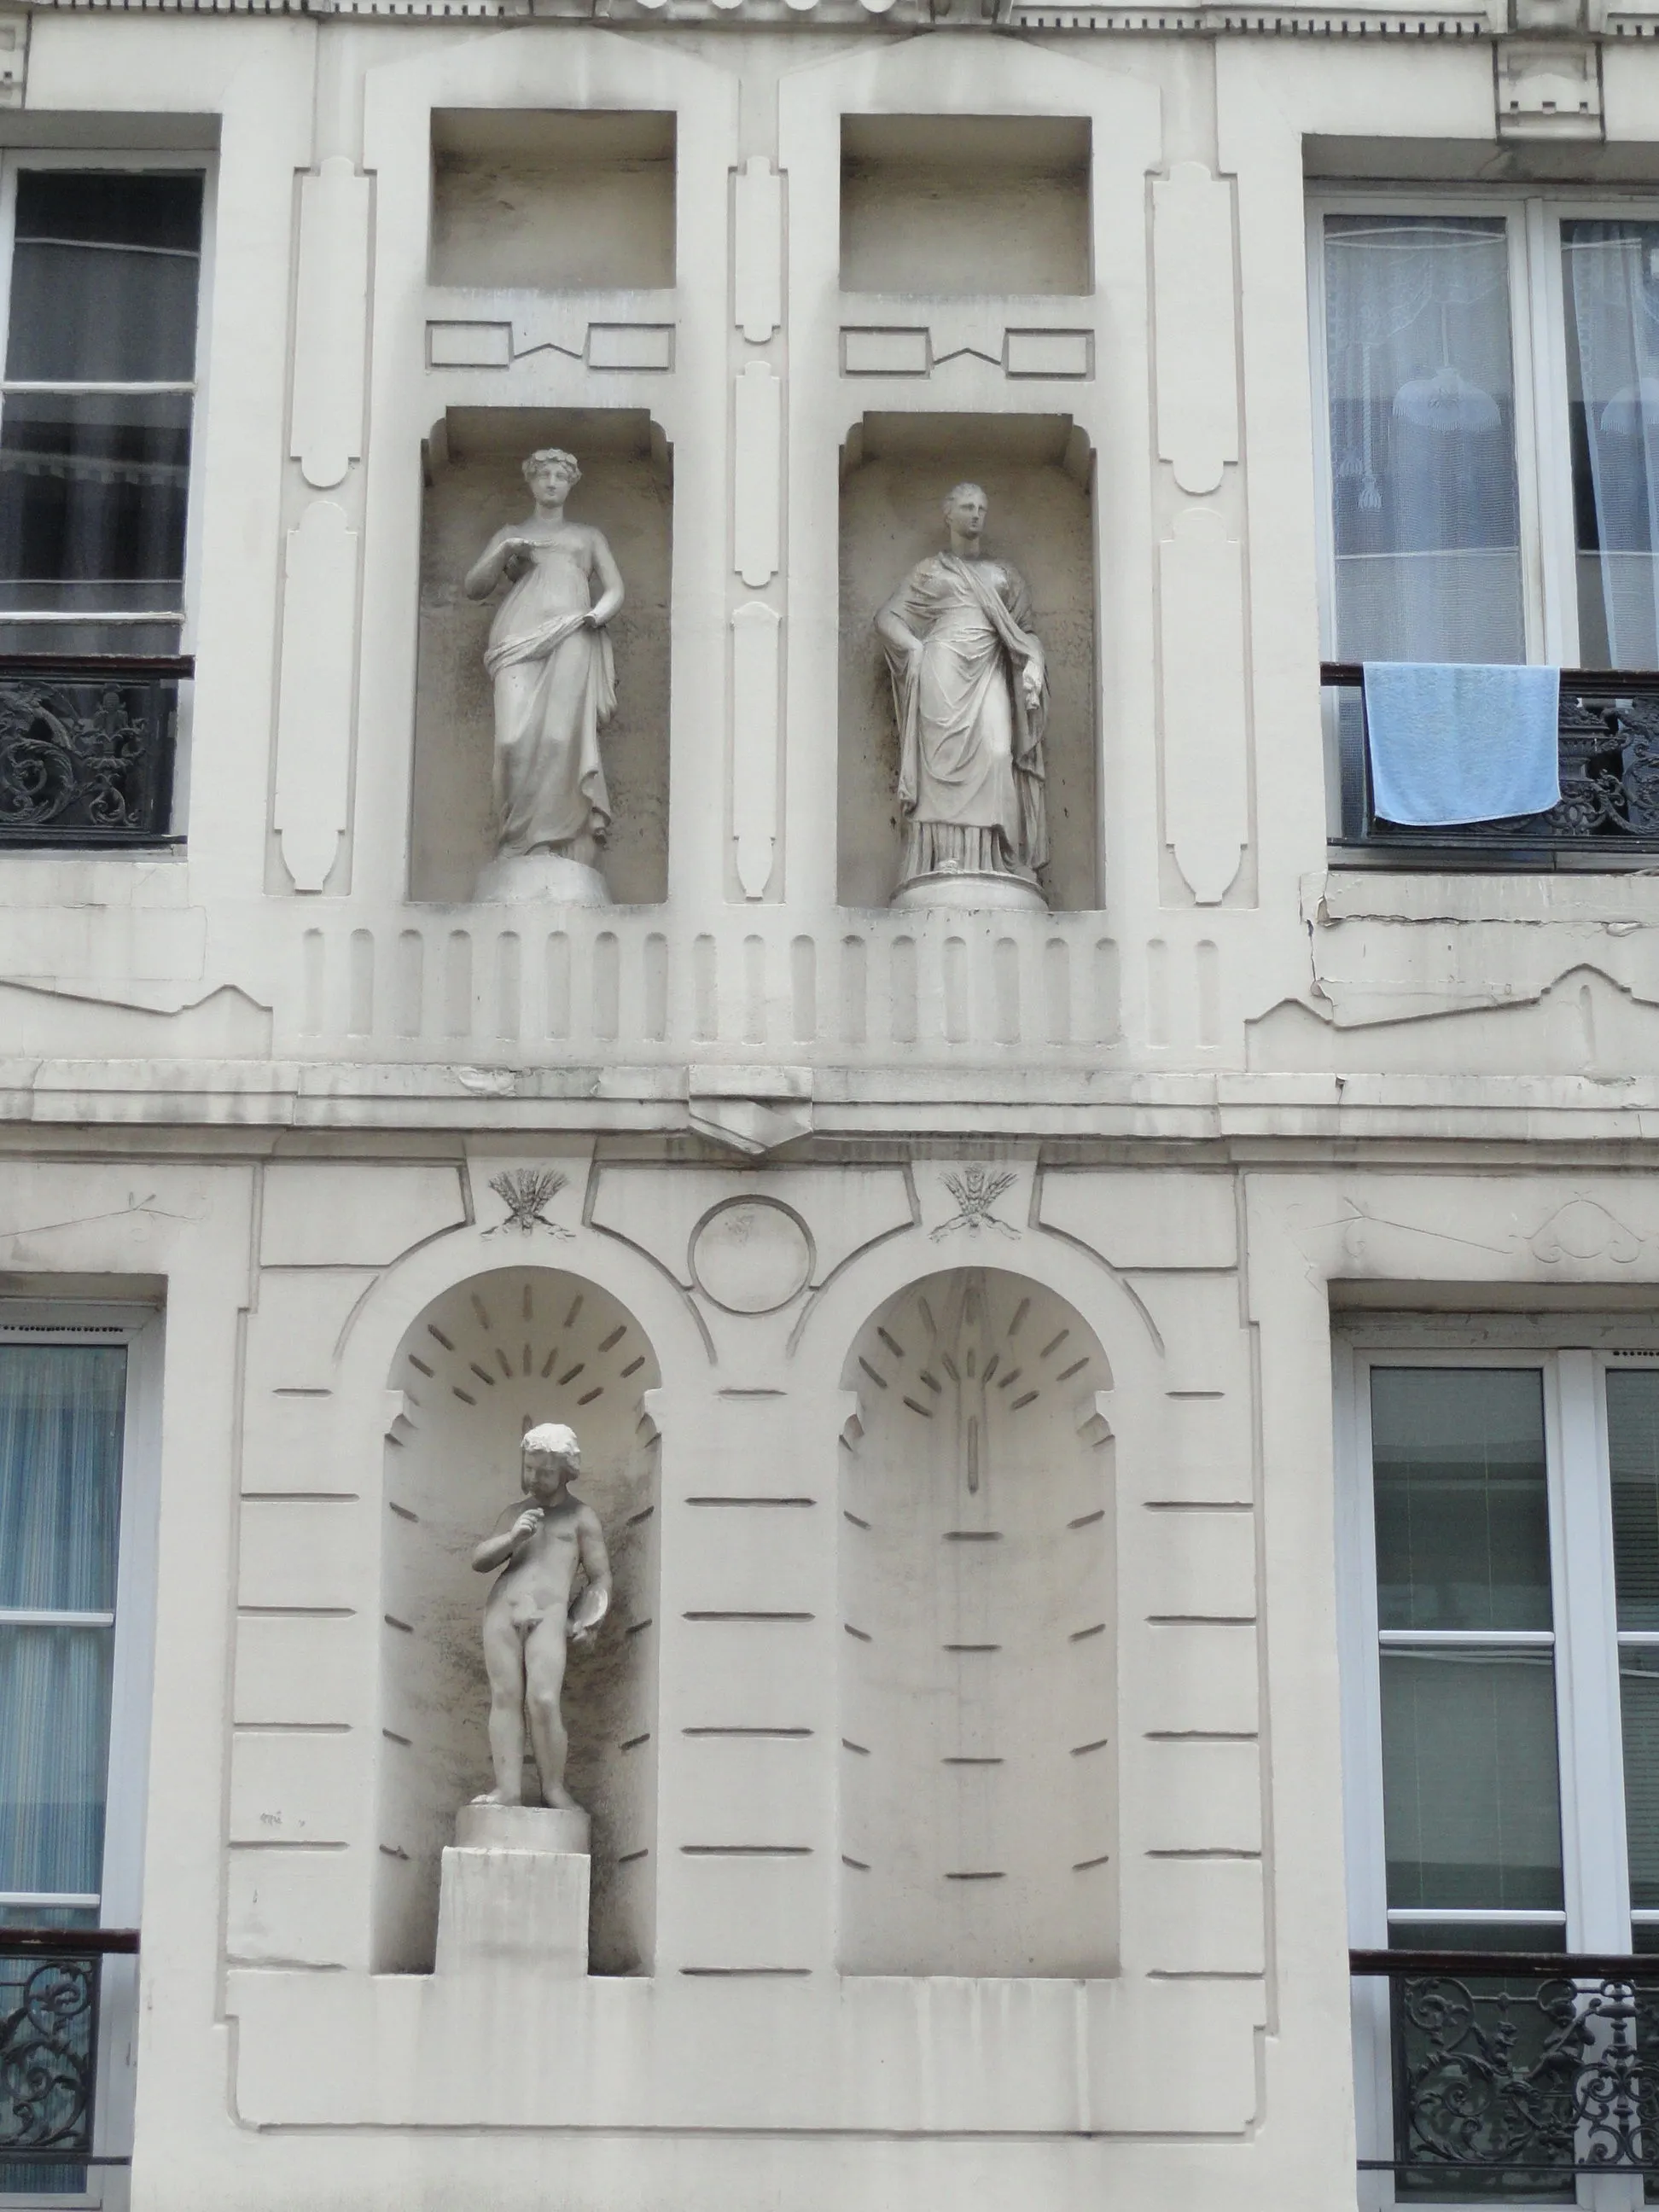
x=1610 y=273
x=61 y=1409
x=1425 y=509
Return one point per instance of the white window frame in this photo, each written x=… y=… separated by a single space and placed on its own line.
x=1539 y=367
x=1573 y=1354
x=139 y=1328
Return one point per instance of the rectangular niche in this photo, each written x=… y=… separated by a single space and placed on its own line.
x=474 y=485
x=956 y=205
x=1036 y=473
x=553 y=199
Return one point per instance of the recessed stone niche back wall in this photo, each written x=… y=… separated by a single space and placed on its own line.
x=488 y=1360
x=552 y=200
x=474 y=486
x=1036 y=473
x=978 y=1690
x=951 y=205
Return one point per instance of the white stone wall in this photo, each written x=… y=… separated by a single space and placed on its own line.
x=269 y=1084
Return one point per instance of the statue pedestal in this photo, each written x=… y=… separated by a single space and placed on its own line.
x=966 y=891
x=547 y=878
x=514 y=1891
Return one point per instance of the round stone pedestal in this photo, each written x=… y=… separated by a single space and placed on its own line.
x=547 y=878
x=522 y=1828
x=964 y=890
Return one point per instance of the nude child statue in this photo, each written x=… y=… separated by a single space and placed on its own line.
x=529 y=1615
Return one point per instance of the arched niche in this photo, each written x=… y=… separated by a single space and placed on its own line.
x=484 y=1361
x=978 y=1689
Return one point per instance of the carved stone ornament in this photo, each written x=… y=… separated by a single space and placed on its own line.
x=970 y=691
x=526 y=1193
x=550 y=662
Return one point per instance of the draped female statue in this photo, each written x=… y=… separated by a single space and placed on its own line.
x=551 y=661
x=970 y=691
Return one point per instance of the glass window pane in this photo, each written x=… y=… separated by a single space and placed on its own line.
x=1633 y=1401
x=1611 y=280
x=60 y=1475
x=54 y=1721
x=1462 y=1514
x=104 y=280
x=1638 y=1710
x=1470 y=1798
x=1425 y=506
x=92 y=495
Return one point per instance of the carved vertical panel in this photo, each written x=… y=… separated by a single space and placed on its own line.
x=755 y=743
x=756 y=489
x=313 y=714
x=331 y=321
x=1193 y=294
x=1201 y=594
x=758 y=249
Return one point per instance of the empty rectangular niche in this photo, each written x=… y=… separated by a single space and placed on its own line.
x=474 y=484
x=949 y=205
x=1037 y=475
x=553 y=199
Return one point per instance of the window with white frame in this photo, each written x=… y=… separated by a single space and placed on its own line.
x=77 y=1443
x=1499 y=1519
x=1490 y=428
x=102 y=282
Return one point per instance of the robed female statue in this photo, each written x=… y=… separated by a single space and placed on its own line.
x=970 y=691
x=550 y=660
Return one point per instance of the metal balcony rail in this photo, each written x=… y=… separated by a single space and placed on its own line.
x=1609 y=766
x=1529 y=2066
x=49 y=1990
x=87 y=747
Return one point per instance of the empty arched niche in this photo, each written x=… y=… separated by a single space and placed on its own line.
x=490 y=1358
x=979 y=1761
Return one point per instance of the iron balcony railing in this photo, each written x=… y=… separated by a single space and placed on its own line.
x=87 y=748
x=1609 y=760
x=1513 y=2072
x=50 y=1981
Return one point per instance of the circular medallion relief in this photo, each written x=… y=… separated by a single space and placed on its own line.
x=751 y=1254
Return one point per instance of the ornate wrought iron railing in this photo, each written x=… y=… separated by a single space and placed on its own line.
x=87 y=748
x=50 y=1981
x=1609 y=754
x=1517 y=2070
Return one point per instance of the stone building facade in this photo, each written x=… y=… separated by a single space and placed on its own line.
x=1019 y=1694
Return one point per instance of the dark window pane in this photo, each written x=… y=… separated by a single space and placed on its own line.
x=1633 y=1456
x=92 y=494
x=1470 y=1796
x=61 y=1409
x=1462 y=1517
x=1639 y=1711
x=104 y=274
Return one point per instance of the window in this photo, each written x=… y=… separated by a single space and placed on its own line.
x=1499 y=1511
x=97 y=404
x=1491 y=429
x=76 y=1455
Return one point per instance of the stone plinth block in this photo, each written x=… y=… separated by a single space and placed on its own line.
x=513 y=878
x=966 y=890
x=514 y=1891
